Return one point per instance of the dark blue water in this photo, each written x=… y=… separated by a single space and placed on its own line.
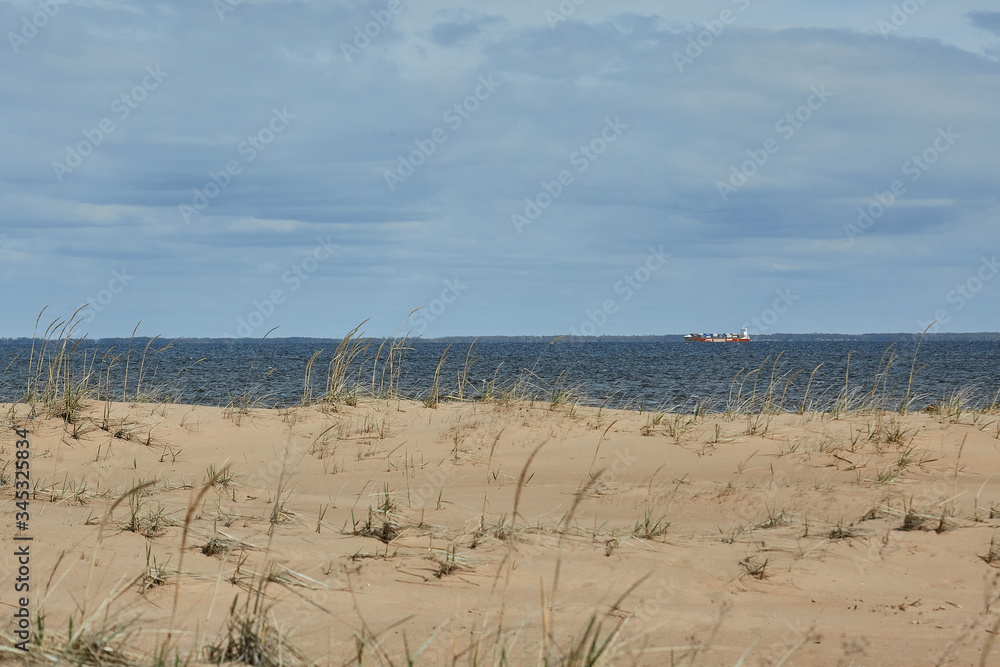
x=654 y=376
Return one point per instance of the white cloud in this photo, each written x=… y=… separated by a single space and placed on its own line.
x=324 y=175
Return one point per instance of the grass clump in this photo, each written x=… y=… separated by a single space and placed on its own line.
x=378 y=526
x=337 y=382
x=775 y=519
x=145 y=521
x=97 y=640
x=251 y=638
x=650 y=526
x=450 y=564
x=154 y=575
x=382 y=522
x=56 y=387
x=217 y=545
x=220 y=477
x=501 y=530
x=841 y=532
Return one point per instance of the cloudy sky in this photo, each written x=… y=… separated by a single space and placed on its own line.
x=223 y=167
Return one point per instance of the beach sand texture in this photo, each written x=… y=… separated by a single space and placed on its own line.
x=476 y=532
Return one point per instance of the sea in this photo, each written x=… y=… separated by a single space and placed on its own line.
x=654 y=376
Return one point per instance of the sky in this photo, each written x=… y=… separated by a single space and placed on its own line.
x=217 y=168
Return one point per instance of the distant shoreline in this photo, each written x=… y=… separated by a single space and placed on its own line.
x=764 y=338
x=665 y=338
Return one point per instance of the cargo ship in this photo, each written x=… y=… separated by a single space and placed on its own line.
x=742 y=337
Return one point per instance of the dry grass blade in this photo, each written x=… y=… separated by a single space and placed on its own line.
x=192 y=507
x=336 y=380
x=520 y=484
x=100 y=537
x=307 y=392
x=434 y=393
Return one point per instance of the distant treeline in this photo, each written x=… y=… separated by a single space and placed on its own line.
x=670 y=338
x=678 y=338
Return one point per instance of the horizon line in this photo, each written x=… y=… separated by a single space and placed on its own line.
x=550 y=337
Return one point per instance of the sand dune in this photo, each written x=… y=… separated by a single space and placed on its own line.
x=479 y=530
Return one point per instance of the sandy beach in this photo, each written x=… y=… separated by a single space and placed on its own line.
x=474 y=533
